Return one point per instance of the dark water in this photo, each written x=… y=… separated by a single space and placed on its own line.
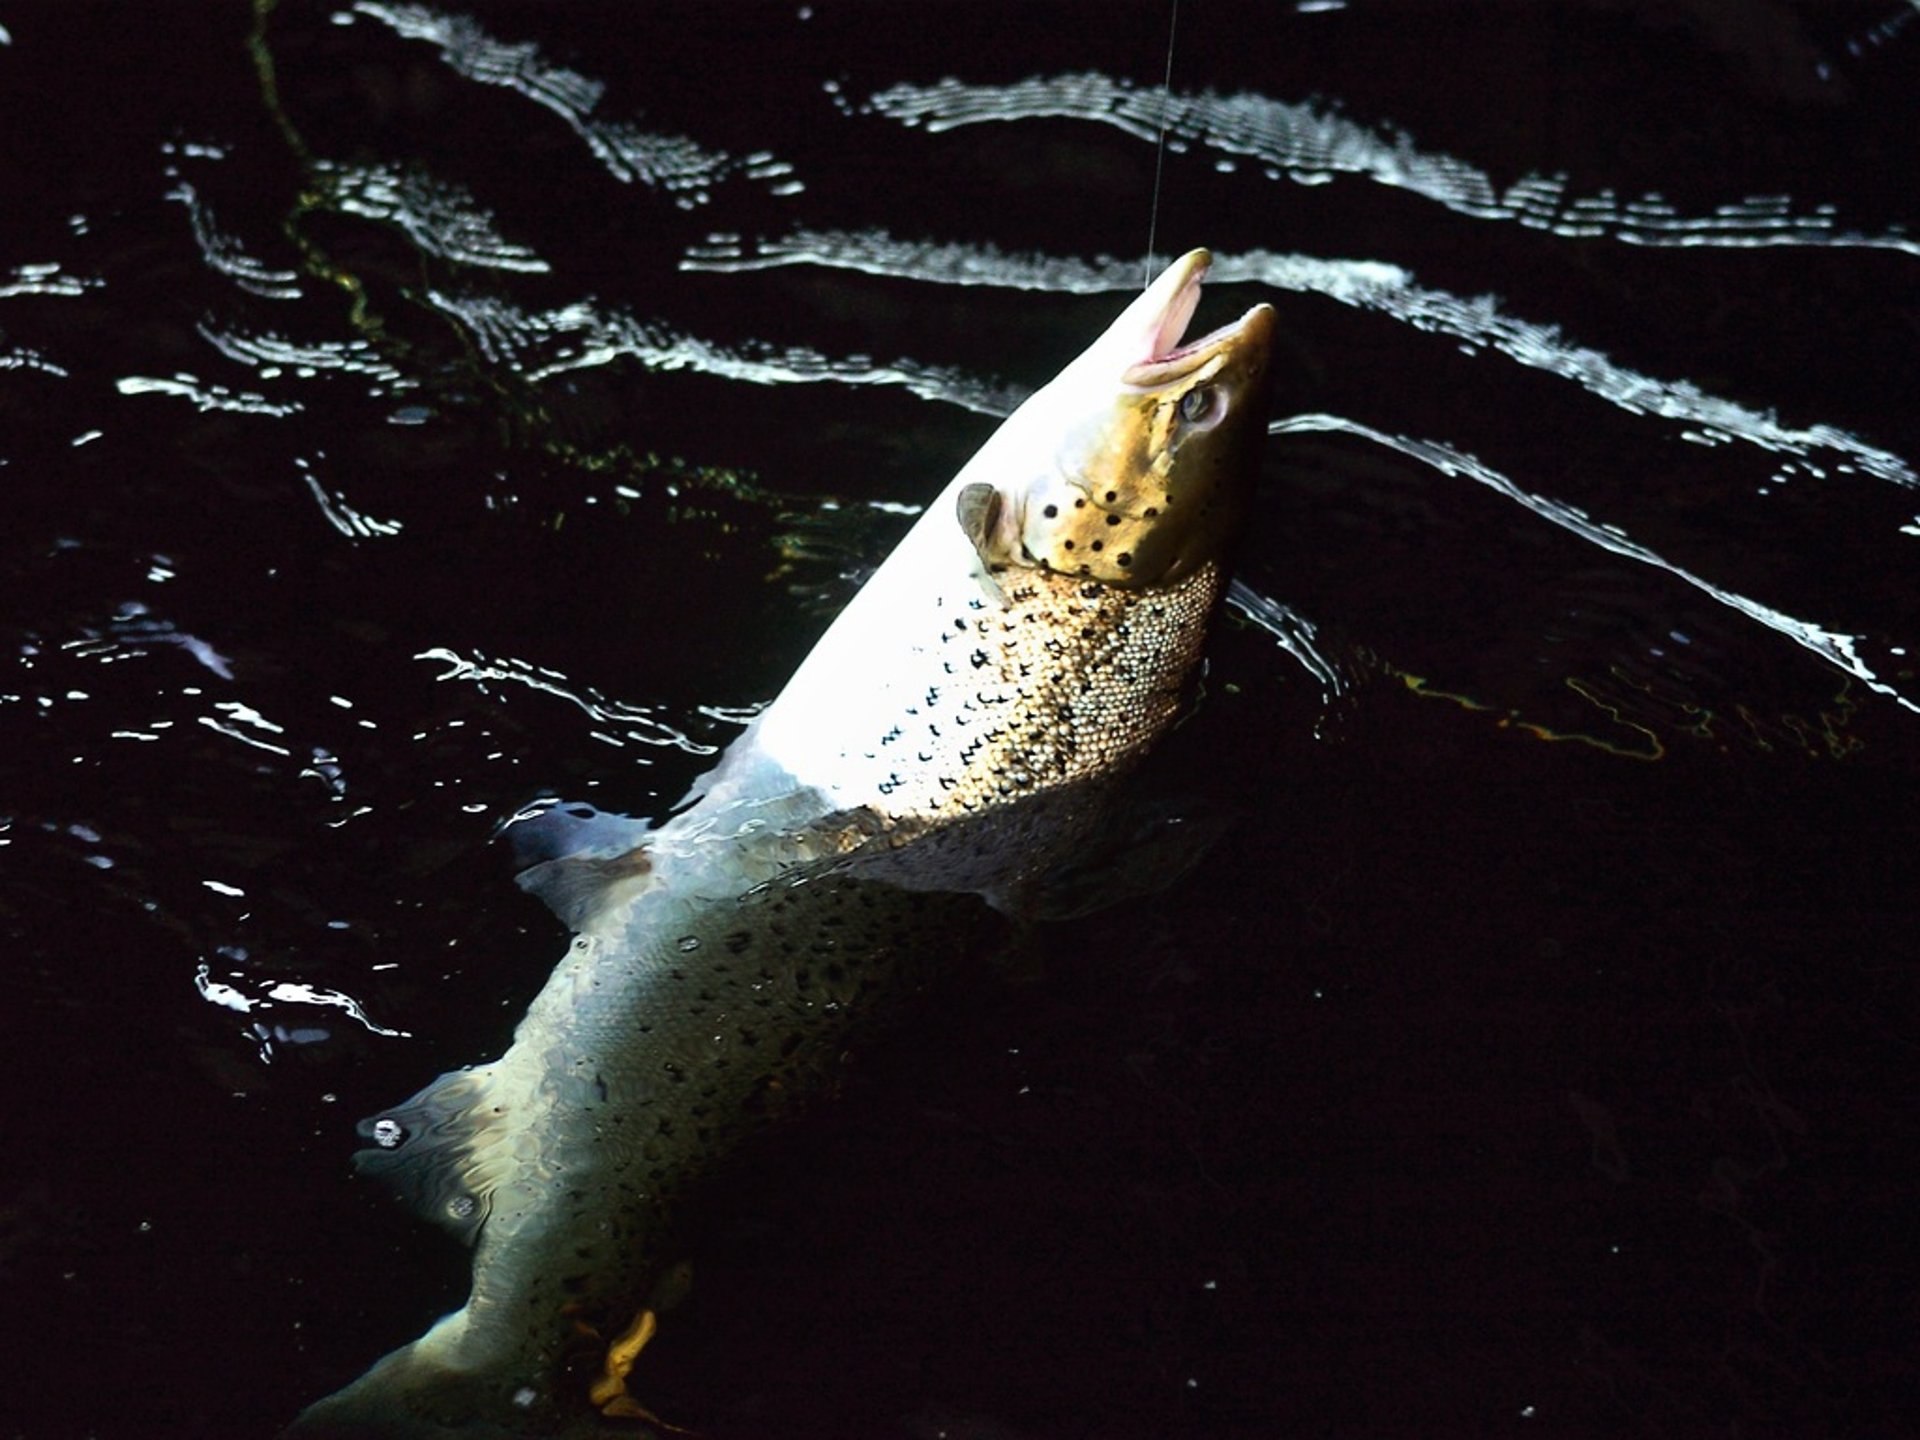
x=416 y=411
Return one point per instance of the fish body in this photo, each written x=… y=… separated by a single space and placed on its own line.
x=948 y=741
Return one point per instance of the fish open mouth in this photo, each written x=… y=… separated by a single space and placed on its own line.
x=1170 y=356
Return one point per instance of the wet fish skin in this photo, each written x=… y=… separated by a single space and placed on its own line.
x=950 y=739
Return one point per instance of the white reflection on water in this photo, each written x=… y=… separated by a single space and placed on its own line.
x=206 y=397
x=16 y=357
x=640 y=724
x=38 y=279
x=1838 y=650
x=353 y=523
x=281 y=992
x=272 y=354
x=228 y=256
x=438 y=216
x=1310 y=145
x=242 y=722
x=672 y=163
x=1363 y=284
x=134 y=630
x=44 y=279
x=580 y=336
x=1297 y=635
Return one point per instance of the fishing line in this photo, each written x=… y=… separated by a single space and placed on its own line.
x=1160 y=144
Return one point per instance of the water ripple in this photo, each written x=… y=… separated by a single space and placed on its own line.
x=1297 y=635
x=270 y=354
x=1311 y=145
x=438 y=216
x=45 y=279
x=354 y=524
x=1363 y=284
x=41 y=279
x=281 y=992
x=1837 y=649
x=640 y=724
x=20 y=358
x=206 y=397
x=136 y=628
x=227 y=256
x=579 y=336
x=673 y=163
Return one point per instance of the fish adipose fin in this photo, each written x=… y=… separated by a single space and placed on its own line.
x=436 y=1150
x=579 y=860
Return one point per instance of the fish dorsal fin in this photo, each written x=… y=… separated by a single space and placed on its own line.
x=437 y=1152
x=580 y=860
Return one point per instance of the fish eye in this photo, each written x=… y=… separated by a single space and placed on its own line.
x=1196 y=403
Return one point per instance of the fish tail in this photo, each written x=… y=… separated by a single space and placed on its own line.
x=420 y=1392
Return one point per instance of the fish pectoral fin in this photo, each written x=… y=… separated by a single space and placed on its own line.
x=579 y=888
x=984 y=515
x=580 y=860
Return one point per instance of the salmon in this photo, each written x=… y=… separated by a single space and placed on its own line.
x=953 y=737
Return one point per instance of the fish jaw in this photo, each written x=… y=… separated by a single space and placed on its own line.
x=1134 y=465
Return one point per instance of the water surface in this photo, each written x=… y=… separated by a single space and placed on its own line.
x=407 y=412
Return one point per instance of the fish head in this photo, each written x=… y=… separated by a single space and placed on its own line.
x=1154 y=446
